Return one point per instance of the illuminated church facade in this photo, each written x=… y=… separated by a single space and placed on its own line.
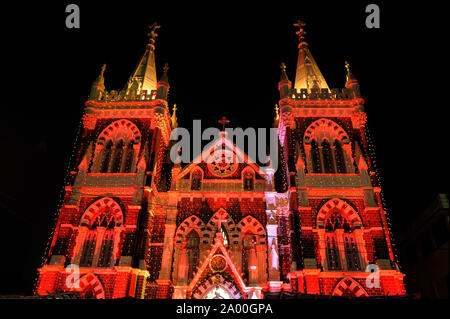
x=136 y=225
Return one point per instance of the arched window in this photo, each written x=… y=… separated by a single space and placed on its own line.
x=336 y=221
x=315 y=157
x=340 y=158
x=88 y=250
x=102 y=219
x=117 y=160
x=224 y=233
x=196 y=180
x=129 y=155
x=106 y=250
x=193 y=253
x=351 y=253
x=249 y=180
x=106 y=157
x=325 y=138
x=327 y=157
x=332 y=252
x=118 y=154
x=248 y=255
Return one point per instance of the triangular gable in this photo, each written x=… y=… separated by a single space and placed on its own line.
x=244 y=158
x=204 y=267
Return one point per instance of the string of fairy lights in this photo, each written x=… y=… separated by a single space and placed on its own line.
x=162 y=236
x=370 y=249
x=61 y=196
x=371 y=149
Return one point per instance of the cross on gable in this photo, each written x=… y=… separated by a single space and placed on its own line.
x=220 y=220
x=223 y=121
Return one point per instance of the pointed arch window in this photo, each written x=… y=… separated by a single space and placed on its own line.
x=117 y=160
x=106 y=249
x=224 y=233
x=327 y=158
x=129 y=155
x=249 y=180
x=193 y=253
x=248 y=254
x=332 y=252
x=340 y=158
x=345 y=240
x=196 y=180
x=315 y=157
x=117 y=140
x=106 y=157
x=102 y=220
x=88 y=250
x=325 y=139
x=351 y=253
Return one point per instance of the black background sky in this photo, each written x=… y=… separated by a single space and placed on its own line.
x=224 y=60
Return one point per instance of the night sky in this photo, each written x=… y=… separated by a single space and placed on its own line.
x=224 y=60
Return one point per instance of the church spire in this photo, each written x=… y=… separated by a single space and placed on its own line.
x=351 y=82
x=284 y=86
x=144 y=77
x=174 y=118
x=308 y=75
x=98 y=87
x=163 y=85
x=277 y=116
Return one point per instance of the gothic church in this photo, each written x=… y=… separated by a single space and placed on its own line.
x=137 y=225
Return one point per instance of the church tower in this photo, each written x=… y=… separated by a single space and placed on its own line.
x=135 y=224
x=339 y=234
x=100 y=246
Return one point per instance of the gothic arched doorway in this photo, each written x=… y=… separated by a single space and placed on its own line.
x=217 y=287
x=218 y=292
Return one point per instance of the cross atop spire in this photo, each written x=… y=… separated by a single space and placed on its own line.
x=308 y=75
x=301 y=32
x=223 y=121
x=152 y=35
x=284 y=76
x=144 y=76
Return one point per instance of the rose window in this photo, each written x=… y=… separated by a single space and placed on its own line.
x=222 y=163
x=218 y=263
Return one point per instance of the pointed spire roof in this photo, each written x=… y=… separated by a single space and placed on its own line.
x=308 y=75
x=350 y=78
x=174 y=118
x=277 y=116
x=101 y=78
x=144 y=77
x=164 y=77
x=284 y=76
